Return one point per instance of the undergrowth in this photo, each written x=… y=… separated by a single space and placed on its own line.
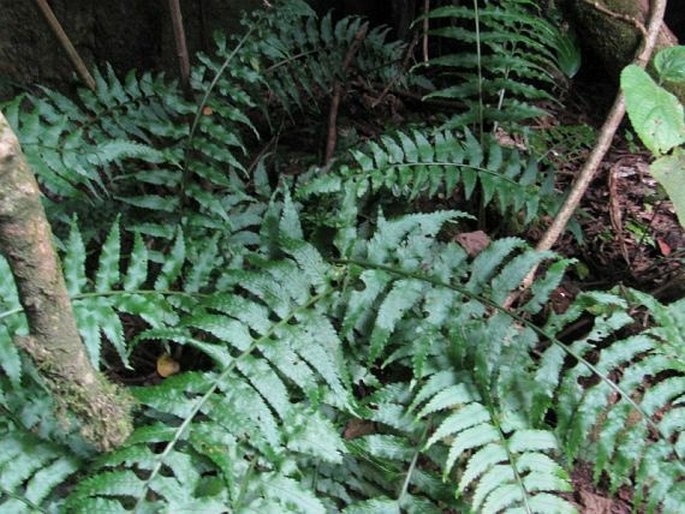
x=338 y=351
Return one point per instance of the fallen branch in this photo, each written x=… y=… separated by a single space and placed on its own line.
x=181 y=46
x=64 y=40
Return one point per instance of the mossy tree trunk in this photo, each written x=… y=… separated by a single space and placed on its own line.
x=53 y=342
x=615 y=39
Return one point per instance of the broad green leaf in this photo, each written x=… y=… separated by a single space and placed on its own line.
x=670 y=64
x=657 y=116
x=670 y=173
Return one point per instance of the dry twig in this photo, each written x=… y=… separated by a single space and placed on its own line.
x=181 y=46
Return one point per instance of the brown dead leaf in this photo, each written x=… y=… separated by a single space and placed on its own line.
x=595 y=504
x=664 y=248
x=473 y=242
x=358 y=428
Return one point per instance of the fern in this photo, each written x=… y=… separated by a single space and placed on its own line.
x=263 y=344
x=379 y=373
x=514 y=62
x=507 y=465
x=633 y=433
x=412 y=165
x=457 y=332
x=293 y=41
x=31 y=471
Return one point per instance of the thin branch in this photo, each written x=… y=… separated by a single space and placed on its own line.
x=53 y=341
x=338 y=90
x=426 y=10
x=74 y=57
x=408 y=53
x=603 y=144
x=181 y=46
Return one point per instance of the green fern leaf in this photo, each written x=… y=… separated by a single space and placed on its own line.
x=32 y=471
x=136 y=273
x=397 y=302
x=107 y=275
x=374 y=506
x=173 y=264
x=74 y=261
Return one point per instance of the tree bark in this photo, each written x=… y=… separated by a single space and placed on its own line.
x=615 y=39
x=53 y=342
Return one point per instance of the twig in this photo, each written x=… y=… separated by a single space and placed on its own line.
x=426 y=10
x=181 y=46
x=598 y=152
x=405 y=62
x=74 y=57
x=615 y=214
x=331 y=139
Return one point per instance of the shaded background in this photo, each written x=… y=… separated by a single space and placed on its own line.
x=137 y=33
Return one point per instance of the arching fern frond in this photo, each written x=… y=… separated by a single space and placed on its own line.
x=413 y=165
x=298 y=58
x=277 y=359
x=631 y=421
x=31 y=470
x=424 y=307
x=78 y=149
x=505 y=465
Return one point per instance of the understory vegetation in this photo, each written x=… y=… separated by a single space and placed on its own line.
x=309 y=337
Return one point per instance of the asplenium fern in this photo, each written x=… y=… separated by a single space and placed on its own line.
x=631 y=424
x=380 y=375
x=290 y=333
x=431 y=163
x=514 y=59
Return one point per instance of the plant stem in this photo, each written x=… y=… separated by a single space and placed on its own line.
x=181 y=46
x=64 y=40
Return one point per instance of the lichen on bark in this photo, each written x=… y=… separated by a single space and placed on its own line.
x=53 y=342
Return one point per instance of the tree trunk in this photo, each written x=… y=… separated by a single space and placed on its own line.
x=615 y=39
x=53 y=341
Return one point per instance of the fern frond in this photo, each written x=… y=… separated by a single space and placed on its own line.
x=626 y=419
x=412 y=165
x=32 y=471
x=320 y=48
x=512 y=63
x=278 y=359
x=507 y=466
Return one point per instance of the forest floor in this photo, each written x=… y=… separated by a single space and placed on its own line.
x=631 y=234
